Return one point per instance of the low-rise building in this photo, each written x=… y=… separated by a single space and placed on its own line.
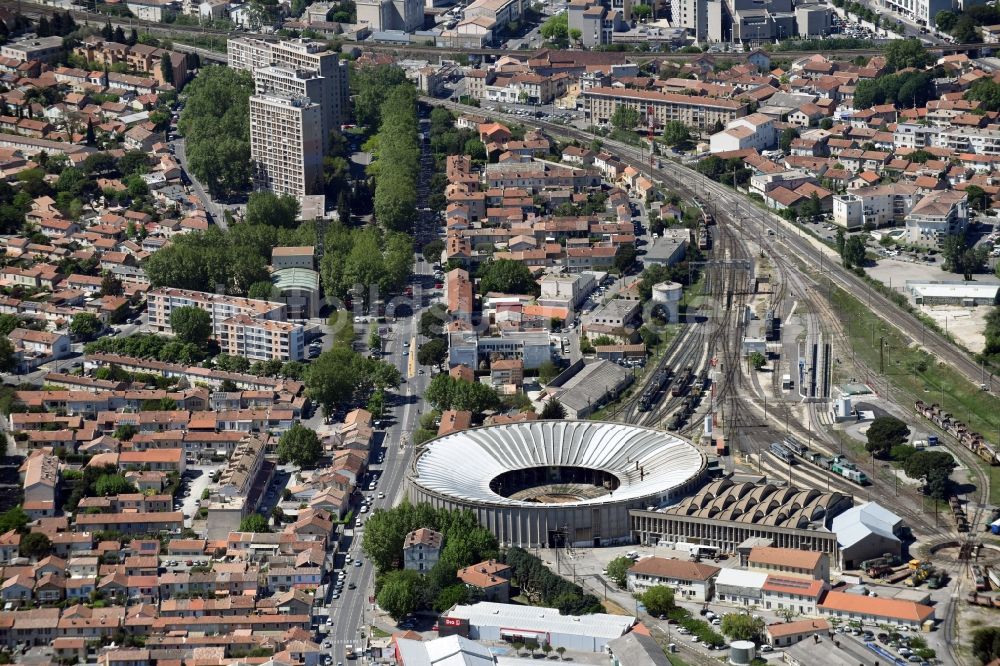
x=487 y=621
x=491 y=579
x=756 y=131
x=790 y=562
x=790 y=633
x=421 y=549
x=691 y=581
x=876 y=610
x=937 y=216
x=43 y=49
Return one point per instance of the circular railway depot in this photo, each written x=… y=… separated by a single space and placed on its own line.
x=549 y=483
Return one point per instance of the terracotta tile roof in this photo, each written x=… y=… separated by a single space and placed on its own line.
x=888 y=608
x=679 y=569
x=799 y=627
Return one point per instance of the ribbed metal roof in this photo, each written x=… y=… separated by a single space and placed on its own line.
x=461 y=465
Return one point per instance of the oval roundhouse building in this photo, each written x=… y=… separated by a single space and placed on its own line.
x=548 y=482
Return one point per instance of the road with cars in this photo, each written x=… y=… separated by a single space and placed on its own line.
x=351 y=593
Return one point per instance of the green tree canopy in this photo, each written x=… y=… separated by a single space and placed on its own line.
x=8 y=355
x=13 y=519
x=340 y=376
x=884 y=433
x=35 y=545
x=432 y=251
x=675 y=133
x=191 y=325
x=788 y=135
x=618 y=570
x=300 y=446
x=903 y=53
x=556 y=30
x=399 y=593
x=553 y=409
x=658 y=600
x=625 y=118
x=986 y=644
x=272 y=209
x=433 y=352
x=987 y=92
x=507 y=277
x=465 y=541
x=742 y=627
x=446 y=392
x=254 y=523
x=216 y=125
x=206 y=261
x=113 y=484
x=85 y=326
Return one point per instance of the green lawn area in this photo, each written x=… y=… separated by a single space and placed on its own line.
x=380 y=633
x=914 y=374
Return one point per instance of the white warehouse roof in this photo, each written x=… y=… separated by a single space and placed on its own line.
x=753 y=580
x=976 y=290
x=858 y=522
x=447 y=651
x=543 y=620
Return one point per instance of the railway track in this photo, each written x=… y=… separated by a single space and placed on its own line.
x=32 y=9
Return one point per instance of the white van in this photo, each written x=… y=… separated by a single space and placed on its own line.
x=632 y=555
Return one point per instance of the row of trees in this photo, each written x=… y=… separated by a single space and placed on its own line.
x=446 y=392
x=216 y=125
x=541 y=586
x=397 y=157
x=369 y=256
x=341 y=377
x=149 y=345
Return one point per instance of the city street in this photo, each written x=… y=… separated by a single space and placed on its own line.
x=214 y=210
x=353 y=612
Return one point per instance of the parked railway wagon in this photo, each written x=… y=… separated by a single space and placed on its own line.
x=837 y=465
x=656 y=384
x=849 y=471
x=780 y=451
x=683 y=379
x=772 y=327
x=967 y=437
x=704 y=239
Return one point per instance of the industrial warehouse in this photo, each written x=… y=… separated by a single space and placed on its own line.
x=725 y=514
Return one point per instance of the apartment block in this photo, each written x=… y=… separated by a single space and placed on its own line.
x=937 y=216
x=262 y=339
x=302 y=55
x=286 y=81
x=161 y=302
x=599 y=104
x=878 y=206
x=242 y=326
x=37 y=48
x=286 y=144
